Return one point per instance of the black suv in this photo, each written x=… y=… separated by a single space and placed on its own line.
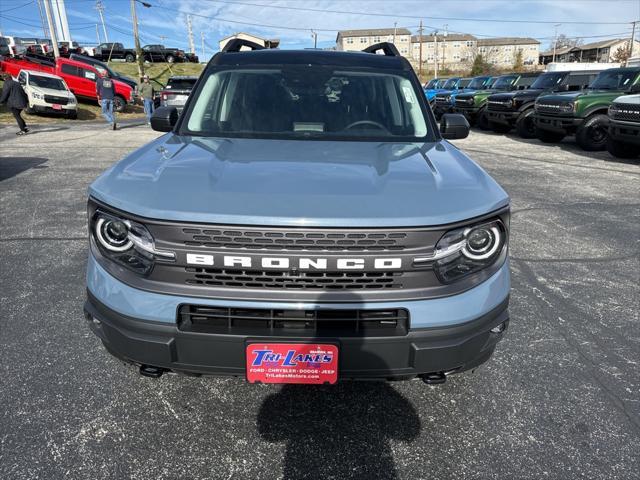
x=515 y=109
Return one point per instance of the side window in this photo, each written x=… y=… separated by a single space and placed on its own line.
x=525 y=82
x=22 y=78
x=578 y=82
x=69 y=69
x=88 y=74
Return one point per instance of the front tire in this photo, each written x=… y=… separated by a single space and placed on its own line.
x=525 y=126
x=129 y=58
x=482 y=122
x=170 y=59
x=119 y=104
x=72 y=115
x=622 y=150
x=549 y=137
x=592 y=134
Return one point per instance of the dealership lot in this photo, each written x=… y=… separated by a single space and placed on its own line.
x=560 y=399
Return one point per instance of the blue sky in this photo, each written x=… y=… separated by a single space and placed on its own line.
x=165 y=21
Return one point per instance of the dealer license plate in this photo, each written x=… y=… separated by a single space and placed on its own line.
x=55 y=106
x=309 y=363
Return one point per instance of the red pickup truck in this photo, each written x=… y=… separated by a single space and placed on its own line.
x=80 y=77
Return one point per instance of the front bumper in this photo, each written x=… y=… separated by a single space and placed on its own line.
x=467 y=111
x=566 y=125
x=449 y=334
x=65 y=110
x=626 y=132
x=503 y=117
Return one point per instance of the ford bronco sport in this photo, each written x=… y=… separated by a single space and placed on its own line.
x=302 y=221
x=584 y=113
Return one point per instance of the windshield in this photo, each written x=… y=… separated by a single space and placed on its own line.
x=548 y=80
x=432 y=83
x=464 y=83
x=450 y=84
x=478 y=82
x=181 y=83
x=46 y=82
x=614 y=80
x=297 y=102
x=505 y=81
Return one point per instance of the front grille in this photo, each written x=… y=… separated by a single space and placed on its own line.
x=553 y=108
x=499 y=105
x=239 y=278
x=464 y=102
x=293 y=240
x=56 y=100
x=295 y=323
x=625 y=112
x=442 y=100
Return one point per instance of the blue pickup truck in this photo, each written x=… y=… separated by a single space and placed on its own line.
x=304 y=220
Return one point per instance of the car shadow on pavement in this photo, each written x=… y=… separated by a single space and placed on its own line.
x=344 y=430
x=47 y=130
x=12 y=166
x=341 y=431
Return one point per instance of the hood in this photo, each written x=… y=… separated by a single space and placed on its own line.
x=51 y=91
x=299 y=183
x=591 y=95
x=628 y=100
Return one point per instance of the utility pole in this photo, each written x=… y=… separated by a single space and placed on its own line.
x=45 y=31
x=100 y=8
x=420 y=54
x=192 y=46
x=202 y=40
x=52 y=30
x=633 y=38
x=555 y=41
x=97 y=34
x=444 y=45
x=314 y=34
x=136 y=38
x=435 y=57
x=395 y=25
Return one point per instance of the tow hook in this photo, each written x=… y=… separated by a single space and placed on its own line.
x=151 y=371
x=434 y=378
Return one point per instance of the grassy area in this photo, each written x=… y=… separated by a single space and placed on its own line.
x=158 y=73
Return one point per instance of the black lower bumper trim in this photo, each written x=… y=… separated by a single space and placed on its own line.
x=443 y=349
x=626 y=132
x=566 y=125
x=506 y=118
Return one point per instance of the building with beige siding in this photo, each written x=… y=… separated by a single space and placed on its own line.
x=455 y=51
x=502 y=51
x=356 y=40
x=603 y=51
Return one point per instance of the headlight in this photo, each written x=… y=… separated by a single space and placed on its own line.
x=468 y=250
x=72 y=100
x=126 y=243
x=567 y=107
x=37 y=96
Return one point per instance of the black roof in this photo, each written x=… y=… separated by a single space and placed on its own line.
x=314 y=57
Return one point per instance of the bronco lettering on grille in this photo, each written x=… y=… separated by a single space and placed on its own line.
x=297 y=263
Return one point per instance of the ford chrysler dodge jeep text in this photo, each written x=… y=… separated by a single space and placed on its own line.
x=302 y=221
x=584 y=113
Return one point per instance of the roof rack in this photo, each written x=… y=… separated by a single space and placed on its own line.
x=236 y=45
x=388 y=48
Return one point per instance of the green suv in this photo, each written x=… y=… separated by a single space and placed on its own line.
x=584 y=114
x=473 y=105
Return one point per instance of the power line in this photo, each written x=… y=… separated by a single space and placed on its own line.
x=16 y=8
x=375 y=14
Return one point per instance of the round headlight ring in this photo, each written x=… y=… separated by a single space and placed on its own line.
x=113 y=234
x=481 y=251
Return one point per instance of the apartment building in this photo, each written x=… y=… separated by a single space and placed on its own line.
x=502 y=51
x=453 y=51
x=271 y=43
x=356 y=40
x=603 y=51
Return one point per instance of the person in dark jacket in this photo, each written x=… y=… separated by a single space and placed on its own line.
x=16 y=99
x=106 y=91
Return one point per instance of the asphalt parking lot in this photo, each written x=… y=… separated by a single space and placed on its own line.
x=560 y=399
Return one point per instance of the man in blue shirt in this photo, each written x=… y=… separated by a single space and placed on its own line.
x=106 y=93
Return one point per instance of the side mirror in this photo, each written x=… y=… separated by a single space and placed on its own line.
x=164 y=119
x=454 y=126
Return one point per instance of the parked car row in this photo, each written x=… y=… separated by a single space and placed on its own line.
x=15 y=46
x=597 y=107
